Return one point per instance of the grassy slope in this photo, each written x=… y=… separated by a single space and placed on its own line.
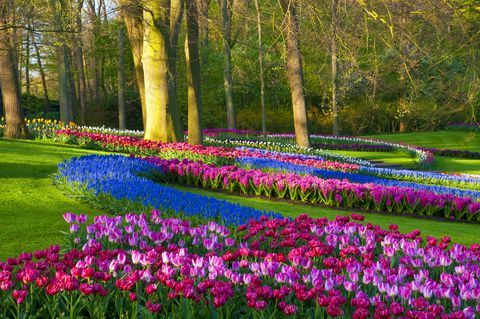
x=31 y=207
x=459 y=232
x=447 y=139
x=444 y=139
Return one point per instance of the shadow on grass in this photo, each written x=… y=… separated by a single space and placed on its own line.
x=25 y=170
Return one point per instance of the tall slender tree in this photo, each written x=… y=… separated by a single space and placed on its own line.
x=336 y=128
x=295 y=72
x=122 y=120
x=192 y=56
x=226 y=23
x=260 y=66
x=132 y=11
x=9 y=81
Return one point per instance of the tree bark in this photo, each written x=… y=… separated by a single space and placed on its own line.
x=9 y=84
x=64 y=88
x=175 y=22
x=260 y=62
x=134 y=26
x=80 y=66
x=227 y=67
x=42 y=74
x=295 y=73
x=195 y=134
x=203 y=9
x=336 y=128
x=155 y=67
x=122 y=121
x=27 y=63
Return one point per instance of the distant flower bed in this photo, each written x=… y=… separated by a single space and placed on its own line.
x=463 y=126
x=312 y=189
x=356 y=177
x=148 y=266
x=425 y=157
x=211 y=154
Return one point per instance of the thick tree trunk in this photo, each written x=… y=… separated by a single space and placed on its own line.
x=295 y=73
x=155 y=67
x=10 y=90
x=122 y=121
x=260 y=62
x=134 y=27
x=42 y=74
x=336 y=128
x=195 y=134
x=227 y=67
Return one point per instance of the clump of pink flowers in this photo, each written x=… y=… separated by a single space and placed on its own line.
x=271 y=267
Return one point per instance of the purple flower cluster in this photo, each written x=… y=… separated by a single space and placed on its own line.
x=313 y=189
x=269 y=267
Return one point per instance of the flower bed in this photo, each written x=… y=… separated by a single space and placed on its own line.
x=270 y=164
x=463 y=126
x=144 y=266
x=210 y=154
x=121 y=183
x=329 y=192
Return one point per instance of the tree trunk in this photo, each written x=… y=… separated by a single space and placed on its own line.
x=260 y=62
x=295 y=73
x=42 y=74
x=336 y=128
x=9 y=87
x=133 y=23
x=203 y=9
x=121 y=75
x=27 y=63
x=195 y=134
x=80 y=66
x=64 y=89
x=227 y=68
x=175 y=21
x=155 y=67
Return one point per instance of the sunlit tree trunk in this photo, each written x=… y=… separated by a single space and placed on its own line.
x=155 y=67
x=9 y=84
x=295 y=73
x=195 y=135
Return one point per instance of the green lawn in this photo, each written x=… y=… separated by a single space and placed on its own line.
x=442 y=139
x=31 y=207
x=399 y=158
x=445 y=139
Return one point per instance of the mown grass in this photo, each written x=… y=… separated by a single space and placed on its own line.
x=444 y=140
x=31 y=207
